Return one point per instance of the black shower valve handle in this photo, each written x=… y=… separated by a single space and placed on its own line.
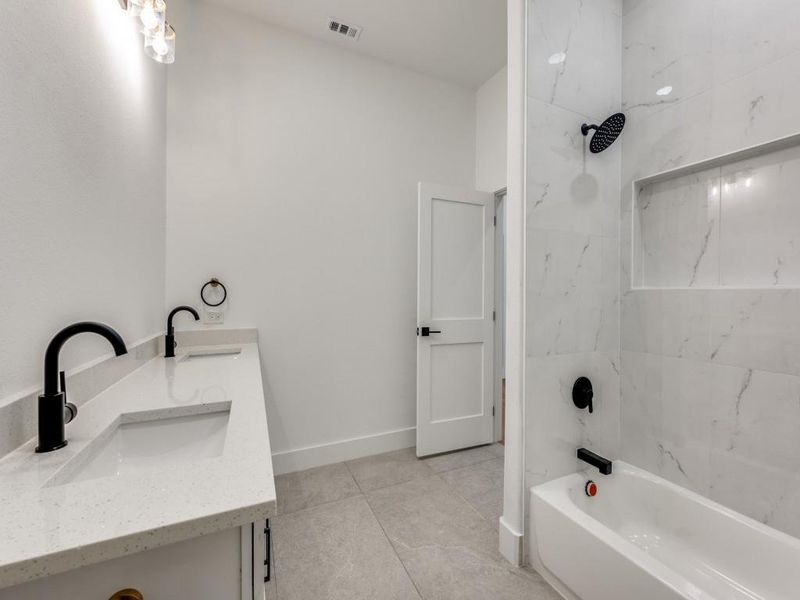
x=582 y=393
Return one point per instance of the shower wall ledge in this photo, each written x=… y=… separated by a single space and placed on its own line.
x=714 y=288
x=775 y=145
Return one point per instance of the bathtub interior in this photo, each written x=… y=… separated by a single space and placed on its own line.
x=701 y=542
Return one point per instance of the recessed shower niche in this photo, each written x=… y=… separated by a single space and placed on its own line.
x=729 y=222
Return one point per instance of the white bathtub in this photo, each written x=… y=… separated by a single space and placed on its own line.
x=644 y=538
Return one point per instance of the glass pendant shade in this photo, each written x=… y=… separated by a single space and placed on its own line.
x=135 y=7
x=153 y=15
x=160 y=45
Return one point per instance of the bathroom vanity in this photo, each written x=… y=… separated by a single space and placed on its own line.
x=165 y=486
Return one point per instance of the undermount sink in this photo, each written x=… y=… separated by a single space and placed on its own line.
x=213 y=353
x=134 y=446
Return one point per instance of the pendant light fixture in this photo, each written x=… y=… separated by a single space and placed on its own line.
x=153 y=16
x=159 y=36
x=160 y=45
x=134 y=7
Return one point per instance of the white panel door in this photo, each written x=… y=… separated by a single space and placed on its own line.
x=455 y=333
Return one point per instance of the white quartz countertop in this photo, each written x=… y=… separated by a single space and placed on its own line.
x=48 y=527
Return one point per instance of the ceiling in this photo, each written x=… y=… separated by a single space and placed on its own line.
x=462 y=41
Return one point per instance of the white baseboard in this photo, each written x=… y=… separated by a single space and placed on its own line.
x=289 y=461
x=510 y=544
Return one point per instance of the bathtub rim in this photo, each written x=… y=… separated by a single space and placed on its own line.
x=552 y=489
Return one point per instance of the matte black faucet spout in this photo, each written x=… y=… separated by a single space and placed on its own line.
x=54 y=410
x=169 y=340
x=603 y=464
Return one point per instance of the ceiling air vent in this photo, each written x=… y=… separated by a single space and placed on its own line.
x=352 y=32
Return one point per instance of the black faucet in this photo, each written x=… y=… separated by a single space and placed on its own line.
x=54 y=410
x=169 y=340
x=595 y=460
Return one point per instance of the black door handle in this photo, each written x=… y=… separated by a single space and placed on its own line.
x=426 y=331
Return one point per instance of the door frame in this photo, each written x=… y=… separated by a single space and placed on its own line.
x=512 y=523
x=500 y=312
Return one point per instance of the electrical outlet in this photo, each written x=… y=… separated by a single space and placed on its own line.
x=214 y=316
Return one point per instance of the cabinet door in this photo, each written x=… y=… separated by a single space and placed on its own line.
x=256 y=567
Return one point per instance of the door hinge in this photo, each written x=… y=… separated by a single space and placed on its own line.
x=493 y=411
x=494 y=315
x=494 y=221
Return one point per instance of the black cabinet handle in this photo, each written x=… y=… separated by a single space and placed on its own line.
x=267 y=552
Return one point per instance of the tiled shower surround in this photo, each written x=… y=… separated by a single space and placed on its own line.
x=731 y=226
x=694 y=348
x=572 y=257
x=710 y=332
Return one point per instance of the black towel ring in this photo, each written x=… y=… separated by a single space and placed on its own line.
x=213 y=282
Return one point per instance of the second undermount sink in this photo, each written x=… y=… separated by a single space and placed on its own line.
x=212 y=353
x=135 y=446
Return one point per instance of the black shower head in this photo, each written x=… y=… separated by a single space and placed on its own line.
x=605 y=133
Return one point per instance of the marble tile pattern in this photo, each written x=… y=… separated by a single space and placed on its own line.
x=574 y=55
x=432 y=536
x=677 y=232
x=760 y=234
x=572 y=232
x=48 y=529
x=731 y=226
x=711 y=377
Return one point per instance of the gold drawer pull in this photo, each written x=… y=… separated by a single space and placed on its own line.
x=127 y=594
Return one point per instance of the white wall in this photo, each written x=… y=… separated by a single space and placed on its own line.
x=292 y=172
x=82 y=165
x=491 y=115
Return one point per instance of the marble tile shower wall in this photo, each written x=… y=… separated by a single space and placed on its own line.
x=711 y=369
x=732 y=226
x=572 y=258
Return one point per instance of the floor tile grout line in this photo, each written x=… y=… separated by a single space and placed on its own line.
x=455 y=493
x=386 y=535
x=350 y=471
x=479 y=462
x=462 y=496
x=305 y=508
x=467 y=500
x=394 y=549
x=360 y=493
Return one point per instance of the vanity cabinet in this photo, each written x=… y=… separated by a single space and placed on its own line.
x=230 y=564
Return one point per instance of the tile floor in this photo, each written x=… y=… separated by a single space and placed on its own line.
x=393 y=526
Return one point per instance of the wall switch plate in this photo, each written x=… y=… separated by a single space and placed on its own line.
x=214 y=316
